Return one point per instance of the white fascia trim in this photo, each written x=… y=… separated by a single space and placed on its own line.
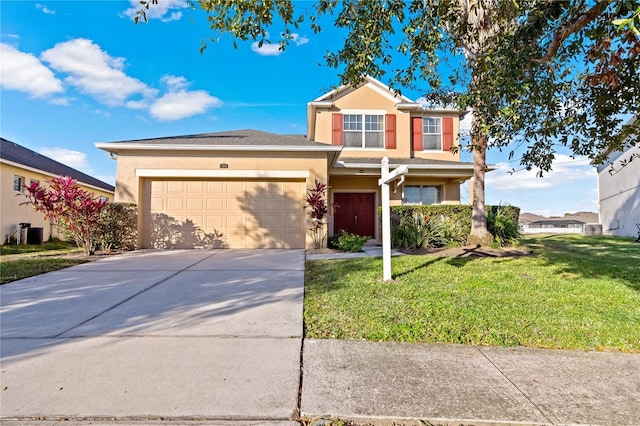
x=42 y=172
x=114 y=147
x=223 y=173
x=321 y=104
x=414 y=166
x=360 y=111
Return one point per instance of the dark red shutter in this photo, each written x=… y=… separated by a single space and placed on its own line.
x=447 y=133
x=336 y=129
x=416 y=133
x=390 y=131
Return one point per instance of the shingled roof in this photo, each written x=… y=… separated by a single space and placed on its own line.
x=18 y=154
x=236 y=138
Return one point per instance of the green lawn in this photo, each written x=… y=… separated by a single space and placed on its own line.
x=18 y=262
x=48 y=246
x=575 y=292
x=18 y=269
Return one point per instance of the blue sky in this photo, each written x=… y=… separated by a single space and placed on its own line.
x=78 y=72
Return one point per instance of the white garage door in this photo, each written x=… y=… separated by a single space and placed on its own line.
x=231 y=214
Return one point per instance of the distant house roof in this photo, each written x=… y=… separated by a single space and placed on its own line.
x=18 y=154
x=570 y=219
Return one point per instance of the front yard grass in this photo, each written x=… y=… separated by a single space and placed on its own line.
x=13 y=270
x=24 y=261
x=574 y=292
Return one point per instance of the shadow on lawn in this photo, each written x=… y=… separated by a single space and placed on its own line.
x=592 y=257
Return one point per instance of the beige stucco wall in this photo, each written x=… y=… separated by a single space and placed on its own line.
x=134 y=189
x=365 y=98
x=12 y=212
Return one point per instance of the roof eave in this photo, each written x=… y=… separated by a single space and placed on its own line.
x=116 y=147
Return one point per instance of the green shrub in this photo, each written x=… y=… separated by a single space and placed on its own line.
x=446 y=232
x=350 y=242
x=117 y=226
x=412 y=231
x=503 y=224
x=439 y=225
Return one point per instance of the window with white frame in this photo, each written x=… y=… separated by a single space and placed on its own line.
x=422 y=194
x=431 y=133
x=18 y=183
x=363 y=131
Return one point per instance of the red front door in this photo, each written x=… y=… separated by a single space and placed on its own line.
x=355 y=214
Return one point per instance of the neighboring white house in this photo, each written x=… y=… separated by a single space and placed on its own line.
x=619 y=191
x=569 y=224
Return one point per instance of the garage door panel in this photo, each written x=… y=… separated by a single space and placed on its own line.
x=174 y=186
x=195 y=187
x=249 y=214
x=195 y=204
x=215 y=203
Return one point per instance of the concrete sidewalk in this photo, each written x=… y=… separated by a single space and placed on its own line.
x=187 y=335
x=458 y=384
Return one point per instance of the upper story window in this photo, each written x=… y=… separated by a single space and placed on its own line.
x=363 y=130
x=431 y=133
x=104 y=199
x=18 y=183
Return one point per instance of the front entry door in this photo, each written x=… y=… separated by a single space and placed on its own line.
x=355 y=214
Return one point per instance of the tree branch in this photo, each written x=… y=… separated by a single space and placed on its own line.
x=571 y=28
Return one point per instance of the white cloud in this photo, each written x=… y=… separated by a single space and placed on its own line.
x=178 y=102
x=182 y=104
x=565 y=170
x=75 y=159
x=158 y=11
x=60 y=101
x=273 y=49
x=144 y=104
x=45 y=9
x=298 y=39
x=13 y=36
x=24 y=72
x=95 y=72
x=175 y=16
x=570 y=187
x=174 y=82
x=267 y=49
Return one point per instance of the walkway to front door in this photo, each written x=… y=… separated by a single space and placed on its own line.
x=356 y=213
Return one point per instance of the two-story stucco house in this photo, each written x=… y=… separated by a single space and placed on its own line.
x=251 y=185
x=20 y=166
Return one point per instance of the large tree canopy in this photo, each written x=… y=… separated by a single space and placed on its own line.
x=539 y=75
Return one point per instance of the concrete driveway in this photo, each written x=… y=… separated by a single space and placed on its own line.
x=189 y=334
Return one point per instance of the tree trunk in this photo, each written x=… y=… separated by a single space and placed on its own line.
x=479 y=234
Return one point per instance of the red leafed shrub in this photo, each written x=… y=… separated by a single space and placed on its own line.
x=317 y=203
x=76 y=211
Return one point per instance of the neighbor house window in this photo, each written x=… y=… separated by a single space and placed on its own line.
x=18 y=183
x=422 y=194
x=363 y=130
x=432 y=133
x=104 y=199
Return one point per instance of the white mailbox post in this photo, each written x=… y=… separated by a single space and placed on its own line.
x=387 y=177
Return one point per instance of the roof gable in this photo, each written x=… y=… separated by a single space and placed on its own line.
x=369 y=82
x=18 y=154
